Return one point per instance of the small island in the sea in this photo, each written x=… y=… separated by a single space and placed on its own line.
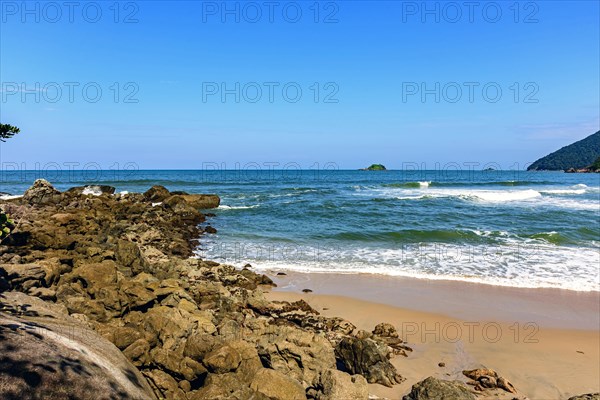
x=374 y=167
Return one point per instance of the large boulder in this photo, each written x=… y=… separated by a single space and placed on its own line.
x=295 y=352
x=223 y=359
x=368 y=358
x=202 y=201
x=41 y=193
x=182 y=208
x=436 y=389
x=588 y=396
x=45 y=354
x=23 y=276
x=157 y=194
x=277 y=386
x=129 y=257
x=333 y=385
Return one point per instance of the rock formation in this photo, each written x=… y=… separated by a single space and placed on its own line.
x=120 y=268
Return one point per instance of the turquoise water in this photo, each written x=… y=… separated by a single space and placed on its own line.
x=511 y=228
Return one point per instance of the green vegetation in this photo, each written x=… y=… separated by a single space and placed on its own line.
x=375 y=167
x=595 y=166
x=7 y=131
x=6 y=223
x=578 y=155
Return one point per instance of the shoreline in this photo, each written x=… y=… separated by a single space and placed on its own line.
x=123 y=267
x=542 y=362
x=549 y=308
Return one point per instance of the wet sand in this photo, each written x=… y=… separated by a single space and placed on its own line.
x=545 y=341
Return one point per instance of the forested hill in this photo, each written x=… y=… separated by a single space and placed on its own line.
x=578 y=155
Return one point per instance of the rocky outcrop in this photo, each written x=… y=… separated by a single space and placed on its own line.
x=47 y=354
x=436 y=389
x=369 y=358
x=589 y=396
x=120 y=267
x=277 y=386
x=333 y=385
x=484 y=378
x=42 y=192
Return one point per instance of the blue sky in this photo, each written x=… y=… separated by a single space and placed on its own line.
x=369 y=60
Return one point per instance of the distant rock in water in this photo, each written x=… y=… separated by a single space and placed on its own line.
x=375 y=167
x=576 y=157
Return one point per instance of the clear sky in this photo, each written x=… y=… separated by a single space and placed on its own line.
x=188 y=83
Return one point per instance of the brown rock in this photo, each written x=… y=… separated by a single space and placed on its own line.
x=368 y=358
x=334 y=385
x=385 y=330
x=157 y=193
x=277 y=386
x=436 y=389
x=223 y=359
x=41 y=193
x=45 y=352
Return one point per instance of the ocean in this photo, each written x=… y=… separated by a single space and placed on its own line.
x=508 y=228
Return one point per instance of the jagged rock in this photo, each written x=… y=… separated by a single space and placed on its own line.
x=223 y=359
x=277 y=386
x=504 y=384
x=94 y=276
x=183 y=210
x=93 y=309
x=589 y=396
x=295 y=352
x=165 y=384
x=198 y=345
x=41 y=193
x=138 y=296
x=333 y=385
x=138 y=352
x=385 y=330
x=202 y=201
x=128 y=255
x=489 y=379
x=157 y=193
x=226 y=387
x=436 y=389
x=170 y=325
x=23 y=276
x=476 y=374
x=366 y=357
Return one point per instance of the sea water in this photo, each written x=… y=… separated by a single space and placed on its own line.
x=509 y=228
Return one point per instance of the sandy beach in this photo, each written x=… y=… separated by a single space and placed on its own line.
x=545 y=341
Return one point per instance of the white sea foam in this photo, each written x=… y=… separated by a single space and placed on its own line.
x=10 y=197
x=226 y=207
x=505 y=195
x=525 y=266
x=424 y=184
x=563 y=191
x=92 y=190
